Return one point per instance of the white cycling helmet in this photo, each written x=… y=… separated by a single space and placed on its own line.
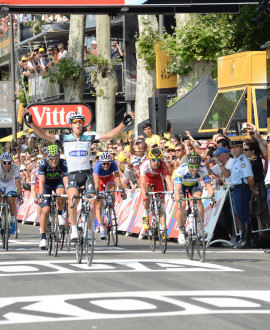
x=6 y=157
x=75 y=115
x=105 y=157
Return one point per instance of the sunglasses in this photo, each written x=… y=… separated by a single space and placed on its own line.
x=178 y=149
x=53 y=158
x=156 y=160
x=7 y=163
x=77 y=121
x=194 y=166
x=246 y=149
x=105 y=163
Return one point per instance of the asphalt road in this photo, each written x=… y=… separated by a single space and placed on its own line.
x=130 y=287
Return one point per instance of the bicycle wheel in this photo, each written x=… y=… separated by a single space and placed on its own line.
x=16 y=226
x=200 y=240
x=67 y=234
x=50 y=235
x=114 y=231
x=79 y=247
x=3 y=232
x=55 y=236
x=89 y=241
x=152 y=235
x=107 y=225
x=190 y=245
x=162 y=234
x=7 y=229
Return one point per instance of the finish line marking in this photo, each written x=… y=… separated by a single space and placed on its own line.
x=58 y=267
x=95 y=306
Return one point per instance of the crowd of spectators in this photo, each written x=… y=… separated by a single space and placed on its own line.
x=130 y=154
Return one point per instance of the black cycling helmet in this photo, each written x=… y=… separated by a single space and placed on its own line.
x=193 y=159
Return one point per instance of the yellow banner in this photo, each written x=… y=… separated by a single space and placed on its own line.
x=163 y=79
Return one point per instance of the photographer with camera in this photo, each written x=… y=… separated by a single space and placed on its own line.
x=117 y=53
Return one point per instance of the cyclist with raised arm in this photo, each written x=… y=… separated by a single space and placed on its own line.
x=77 y=147
x=52 y=177
x=106 y=173
x=187 y=180
x=152 y=172
x=10 y=184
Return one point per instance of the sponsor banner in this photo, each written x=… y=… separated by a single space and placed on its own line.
x=57 y=115
x=166 y=83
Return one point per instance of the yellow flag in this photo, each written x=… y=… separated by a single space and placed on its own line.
x=166 y=83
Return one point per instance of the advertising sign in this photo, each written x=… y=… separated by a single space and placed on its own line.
x=57 y=115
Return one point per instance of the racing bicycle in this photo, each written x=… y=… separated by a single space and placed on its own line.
x=195 y=234
x=5 y=220
x=157 y=227
x=53 y=231
x=86 y=236
x=110 y=218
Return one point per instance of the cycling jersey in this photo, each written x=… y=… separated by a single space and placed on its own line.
x=12 y=174
x=7 y=183
x=147 y=171
x=51 y=175
x=183 y=176
x=154 y=176
x=105 y=177
x=77 y=151
x=99 y=170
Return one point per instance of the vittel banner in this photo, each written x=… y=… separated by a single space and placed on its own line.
x=57 y=115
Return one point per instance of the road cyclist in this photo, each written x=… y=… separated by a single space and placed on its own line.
x=187 y=181
x=77 y=150
x=152 y=173
x=106 y=177
x=10 y=184
x=52 y=177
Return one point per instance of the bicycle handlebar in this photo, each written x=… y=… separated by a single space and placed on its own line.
x=160 y=192
x=194 y=198
x=55 y=195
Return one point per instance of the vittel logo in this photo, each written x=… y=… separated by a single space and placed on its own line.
x=57 y=115
x=78 y=153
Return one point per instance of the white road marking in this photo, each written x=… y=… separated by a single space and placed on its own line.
x=115 y=305
x=55 y=266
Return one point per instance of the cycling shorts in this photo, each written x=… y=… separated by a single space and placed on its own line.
x=104 y=181
x=9 y=187
x=49 y=188
x=190 y=189
x=80 y=179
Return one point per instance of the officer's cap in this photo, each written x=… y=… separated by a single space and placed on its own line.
x=237 y=144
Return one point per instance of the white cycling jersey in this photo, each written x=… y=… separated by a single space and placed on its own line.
x=77 y=151
x=12 y=174
x=183 y=176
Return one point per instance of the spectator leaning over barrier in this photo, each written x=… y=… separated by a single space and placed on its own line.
x=242 y=181
x=151 y=138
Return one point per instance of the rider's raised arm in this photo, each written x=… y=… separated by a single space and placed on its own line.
x=117 y=130
x=40 y=131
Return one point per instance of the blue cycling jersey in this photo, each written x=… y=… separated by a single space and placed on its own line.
x=183 y=176
x=99 y=170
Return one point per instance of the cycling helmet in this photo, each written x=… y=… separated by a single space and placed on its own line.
x=75 y=115
x=155 y=153
x=53 y=150
x=105 y=157
x=6 y=157
x=193 y=159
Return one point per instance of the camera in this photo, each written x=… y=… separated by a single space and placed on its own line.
x=244 y=126
x=220 y=131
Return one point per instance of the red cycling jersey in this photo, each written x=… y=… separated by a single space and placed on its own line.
x=154 y=176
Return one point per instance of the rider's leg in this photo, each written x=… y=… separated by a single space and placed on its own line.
x=72 y=211
x=60 y=202
x=199 y=203
x=146 y=211
x=43 y=220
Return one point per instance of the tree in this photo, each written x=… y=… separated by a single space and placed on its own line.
x=104 y=78
x=74 y=88
x=145 y=53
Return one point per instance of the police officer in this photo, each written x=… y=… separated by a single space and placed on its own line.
x=242 y=181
